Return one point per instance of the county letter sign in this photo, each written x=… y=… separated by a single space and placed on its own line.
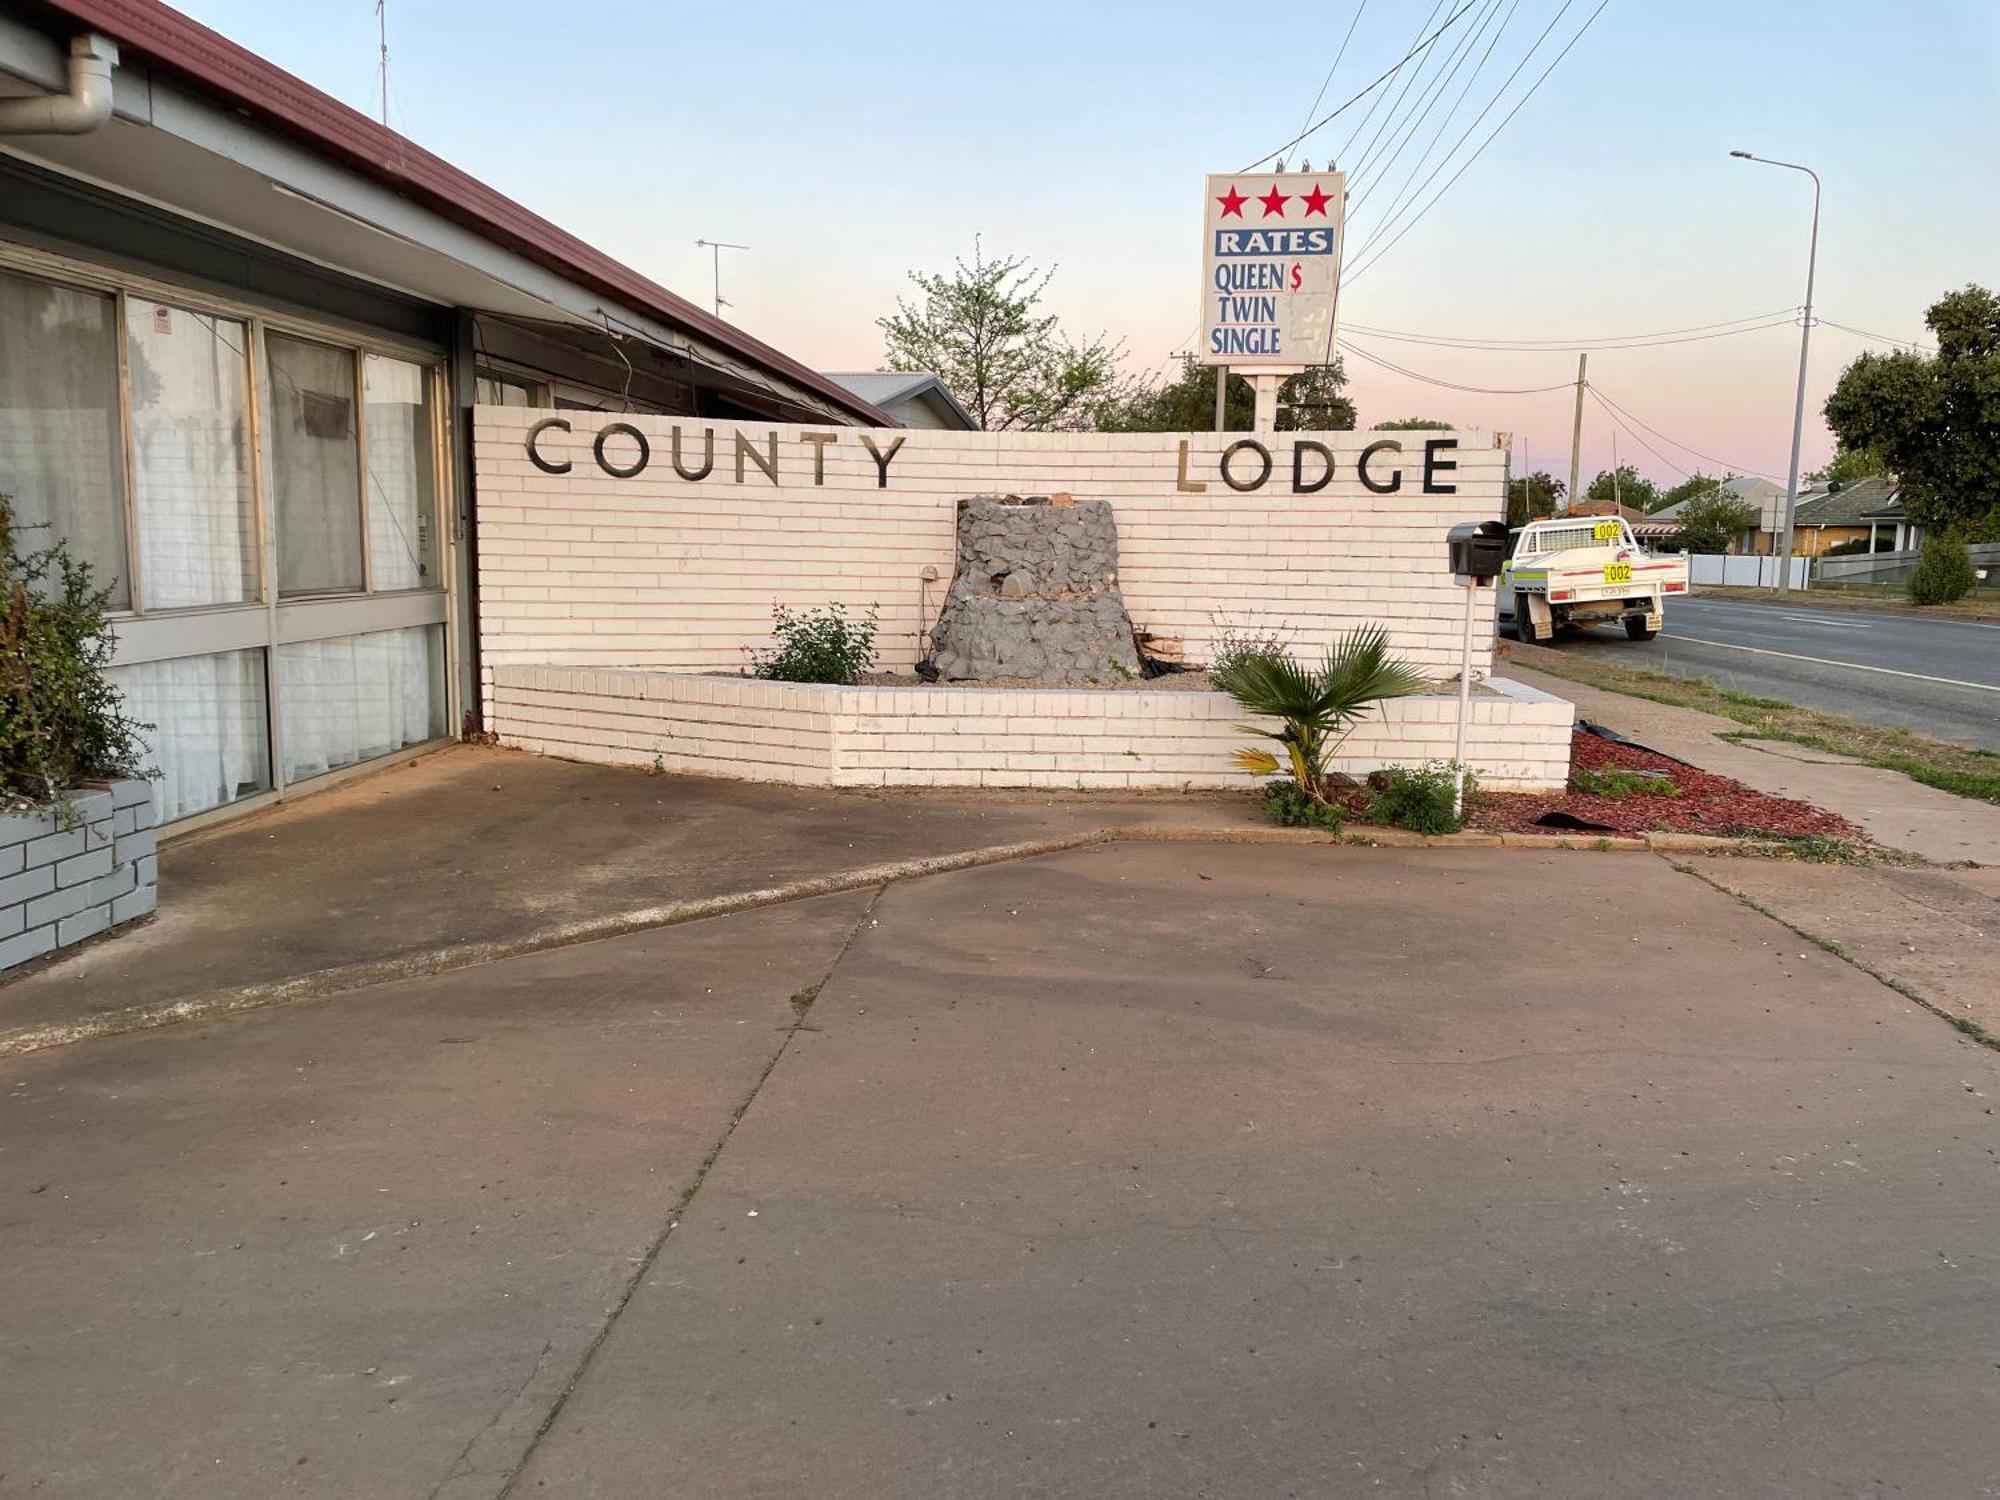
x=1270 y=264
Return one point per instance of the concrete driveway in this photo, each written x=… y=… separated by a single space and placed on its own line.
x=1136 y=1171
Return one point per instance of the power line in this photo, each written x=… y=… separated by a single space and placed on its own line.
x=1327 y=82
x=1401 y=137
x=1676 y=443
x=1880 y=338
x=1384 y=78
x=1556 y=346
x=1532 y=91
x=1402 y=93
x=1453 y=385
x=1620 y=421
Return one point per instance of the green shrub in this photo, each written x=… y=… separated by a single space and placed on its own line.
x=817 y=645
x=61 y=722
x=1618 y=783
x=1943 y=573
x=1419 y=799
x=1234 y=642
x=1287 y=805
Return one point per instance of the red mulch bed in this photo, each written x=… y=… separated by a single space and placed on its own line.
x=1707 y=803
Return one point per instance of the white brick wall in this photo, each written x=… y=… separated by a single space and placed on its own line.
x=587 y=570
x=66 y=879
x=1517 y=738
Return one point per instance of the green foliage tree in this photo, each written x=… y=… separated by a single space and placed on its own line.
x=1626 y=485
x=1943 y=573
x=1535 y=495
x=1712 y=522
x=1413 y=424
x=61 y=720
x=981 y=328
x=1934 y=420
x=1308 y=402
x=1695 y=484
x=1849 y=466
x=1316 y=707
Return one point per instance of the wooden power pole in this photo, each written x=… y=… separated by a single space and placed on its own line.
x=1576 y=436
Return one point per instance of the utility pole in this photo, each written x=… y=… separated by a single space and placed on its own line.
x=1617 y=490
x=1805 y=343
x=382 y=40
x=1576 y=436
x=717 y=247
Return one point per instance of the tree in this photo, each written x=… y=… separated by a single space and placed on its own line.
x=1308 y=402
x=1849 y=466
x=1712 y=521
x=980 y=329
x=1625 y=485
x=1695 y=484
x=1943 y=573
x=1538 y=494
x=1934 y=420
x=1414 y=424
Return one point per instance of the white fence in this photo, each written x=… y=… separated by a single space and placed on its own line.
x=1745 y=572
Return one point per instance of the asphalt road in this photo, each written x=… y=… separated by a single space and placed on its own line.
x=1939 y=677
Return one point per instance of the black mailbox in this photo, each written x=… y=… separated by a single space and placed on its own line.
x=1478 y=548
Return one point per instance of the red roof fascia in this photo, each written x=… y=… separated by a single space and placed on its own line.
x=267 y=93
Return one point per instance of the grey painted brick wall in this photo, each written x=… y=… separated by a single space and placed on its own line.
x=66 y=879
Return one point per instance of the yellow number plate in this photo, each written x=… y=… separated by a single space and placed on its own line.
x=1605 y=531
x=1617 y=572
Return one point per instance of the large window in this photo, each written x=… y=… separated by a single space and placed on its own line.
x=359 y=696
x=61 y=460
x=208 y=740
x=191 y=484
x=314 y=454
x=402 y=473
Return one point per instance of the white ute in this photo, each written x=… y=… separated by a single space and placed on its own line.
x=1584 y=570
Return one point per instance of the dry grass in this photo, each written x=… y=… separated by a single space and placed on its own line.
x=1952 y=768
x=1880 y=597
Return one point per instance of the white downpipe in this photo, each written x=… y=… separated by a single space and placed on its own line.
x=83 y=109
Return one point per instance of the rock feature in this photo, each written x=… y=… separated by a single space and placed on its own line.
x=1036 y=594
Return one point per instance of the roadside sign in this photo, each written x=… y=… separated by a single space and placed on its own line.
x=1271 y=246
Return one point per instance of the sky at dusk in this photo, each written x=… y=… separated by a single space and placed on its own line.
x=846 y=145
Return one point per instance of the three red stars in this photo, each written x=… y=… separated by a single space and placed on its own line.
x=1274 y=202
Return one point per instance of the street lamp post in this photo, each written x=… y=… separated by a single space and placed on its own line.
x=1805 y=343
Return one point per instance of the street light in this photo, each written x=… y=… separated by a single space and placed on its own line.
x=1805 y=341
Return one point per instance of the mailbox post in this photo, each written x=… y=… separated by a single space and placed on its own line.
x=1477 y=550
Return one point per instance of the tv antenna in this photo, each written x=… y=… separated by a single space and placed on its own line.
x=717 y=247
x=382 y=41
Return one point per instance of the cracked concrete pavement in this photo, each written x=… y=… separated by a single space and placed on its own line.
x=1136 y=1171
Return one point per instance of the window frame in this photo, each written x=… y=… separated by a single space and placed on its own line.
x=270 y=619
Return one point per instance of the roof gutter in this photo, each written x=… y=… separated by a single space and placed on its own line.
x=261 y=90
x=83 y=109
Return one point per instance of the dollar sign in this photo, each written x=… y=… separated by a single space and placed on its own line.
x=1298 y=276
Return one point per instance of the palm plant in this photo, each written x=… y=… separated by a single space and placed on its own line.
x=1317 y=707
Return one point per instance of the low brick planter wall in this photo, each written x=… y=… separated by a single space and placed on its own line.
x=1517 y=739
x=64 y=879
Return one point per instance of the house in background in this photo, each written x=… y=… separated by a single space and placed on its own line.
x=1868 y=510
x=1762 y=496
x=915 y=398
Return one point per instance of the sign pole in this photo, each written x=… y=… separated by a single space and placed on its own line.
x=1267 y=401
x=1222 y=398
x=1464 y=701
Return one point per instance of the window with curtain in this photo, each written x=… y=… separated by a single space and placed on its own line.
x=502 y=390
x=189 y=377
x=62 y=458
x=313 y=451
x=210 y=741
x=402 y=473
x=353 y=698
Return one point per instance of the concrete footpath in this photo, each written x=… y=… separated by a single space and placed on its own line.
x=1135 y=1171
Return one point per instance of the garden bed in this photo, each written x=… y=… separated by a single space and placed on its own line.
x=1706 y=803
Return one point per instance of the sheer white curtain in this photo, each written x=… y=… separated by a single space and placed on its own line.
x=190 y=377
x=402 y=472
x=357 y=697
x=208 y=742
x=62 y=460
x=314 y=457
